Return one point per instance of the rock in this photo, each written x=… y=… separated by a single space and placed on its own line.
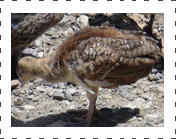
x=18 y=101
x=106 y=96
x=39 y=80
x=54 y=37
x=71 y=91
x=68 y=97
x=161 y=75
x=58 y=94
x=151 y=119
x=66 y=19
x=38 y=41
x=145 y=96
x=146 y=89
x=61 y=85
x=30 y=97
x=28 y=107
x=49 y=91
x=159 y=89
x=154 y=71
x=14 y=83
x=76 y=28
x=16 y=92
x=120 y=89
x=70 y=31
x=150 y=77
x=156 y=77
x=40 y=54
x=161 y=81
x=84 y=19
x=35 y=99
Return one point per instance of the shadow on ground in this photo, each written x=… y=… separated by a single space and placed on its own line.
x=109 y=118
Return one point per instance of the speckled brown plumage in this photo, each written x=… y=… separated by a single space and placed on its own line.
x=27 y=27
x=96 y=57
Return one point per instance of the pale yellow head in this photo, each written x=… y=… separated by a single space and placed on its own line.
x=25 y=70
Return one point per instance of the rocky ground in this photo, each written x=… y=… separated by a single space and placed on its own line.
x=42 y=104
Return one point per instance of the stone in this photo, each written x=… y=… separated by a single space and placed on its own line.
x=38 y=41
x=28 y=107
x=58 y=94
x=154 y=71
x=145 y=96
x=156 y=77
x=50 y=92
x=39 y=80
x=106 y=96
x=30 y=97
x=40 y=54
x=14 y=83
x=159 y=89
x=71 y=91
x=84 y=19
x=150 y=77
x=68 y=97
x=16 y=92
x=61 y=85
x=18 y=101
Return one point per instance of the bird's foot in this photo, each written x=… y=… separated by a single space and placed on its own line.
x=81 y=121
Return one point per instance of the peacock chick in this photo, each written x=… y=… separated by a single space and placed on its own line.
x=95 y=57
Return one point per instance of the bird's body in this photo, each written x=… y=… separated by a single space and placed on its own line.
x=96 y=57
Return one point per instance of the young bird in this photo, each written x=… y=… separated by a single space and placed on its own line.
x=96 y=57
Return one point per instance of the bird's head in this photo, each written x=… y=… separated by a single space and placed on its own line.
x=24 y=70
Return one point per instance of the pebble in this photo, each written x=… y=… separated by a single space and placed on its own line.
x=38 y=41
x=14 y=83
x=84 y=19
x=68 y=97
x=145 y=96
x=70 y=31
x=106 y=96
x=40 y=54
x=18 y=101
x=61 y=85
x=151 y=119
x=16 y=92
x=154 y=71
x=58 y=94
x=71 y=91
x=150 y=77
x=120 y=89
x=39 y=80
x=30 y=97
x=156 y=77
x=28 y=107
x=50 y=93
x=159 y=89
x=146 y=89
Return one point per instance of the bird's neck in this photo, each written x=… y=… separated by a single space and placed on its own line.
x=45 y=69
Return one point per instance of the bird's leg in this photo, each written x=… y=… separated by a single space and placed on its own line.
x=86 y=120
x=92 y=108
